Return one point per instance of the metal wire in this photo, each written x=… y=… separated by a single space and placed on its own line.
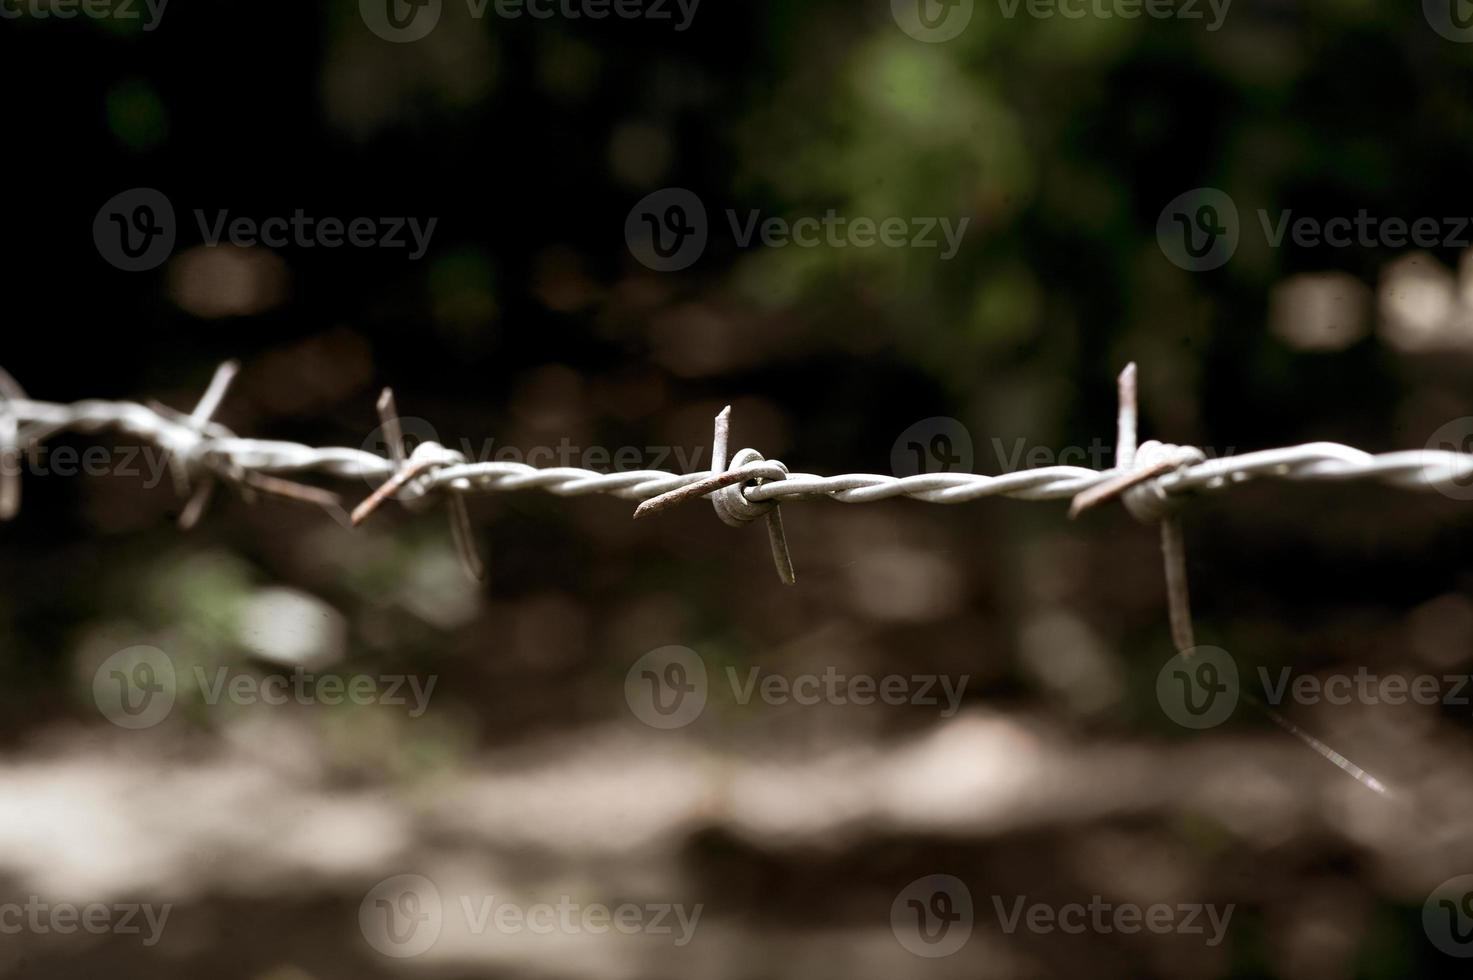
x=1150 y=478
x=202 y=445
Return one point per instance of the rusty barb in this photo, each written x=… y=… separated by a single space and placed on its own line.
x=1149 y=479
x=410 y=467
x=728 y=493
x=191 y=442
x=1138 y=480
x=1138 y=470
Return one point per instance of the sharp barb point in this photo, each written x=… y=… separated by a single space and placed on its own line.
x=388 y=416
x=463 y=534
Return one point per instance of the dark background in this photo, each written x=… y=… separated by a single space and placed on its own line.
x=529 y=320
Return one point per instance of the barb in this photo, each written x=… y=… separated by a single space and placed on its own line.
x=226 y=455
x=425 y=458
x=10 y=447
x=1136 y=486
x=734 y=506
x=1149 y=478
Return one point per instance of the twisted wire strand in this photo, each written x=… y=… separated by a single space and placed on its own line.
x=218 y=450
x=1145 y=479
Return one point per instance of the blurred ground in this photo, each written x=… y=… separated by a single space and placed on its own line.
x=531 y=323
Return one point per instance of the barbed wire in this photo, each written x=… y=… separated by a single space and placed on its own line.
x=201 y=452
x=1150 y=478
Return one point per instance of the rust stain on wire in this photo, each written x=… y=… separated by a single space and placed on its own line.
x=1149 y=478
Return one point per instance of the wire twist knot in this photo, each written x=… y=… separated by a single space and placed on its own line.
x=731 y=503
x=1148 y=500
x=412 y=484
x=726 y=485
x=423 y=462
